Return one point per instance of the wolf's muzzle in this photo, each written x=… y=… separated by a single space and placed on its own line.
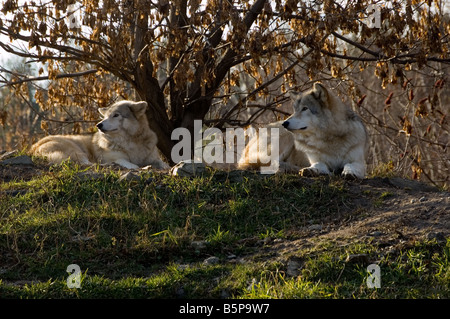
x=286 y=126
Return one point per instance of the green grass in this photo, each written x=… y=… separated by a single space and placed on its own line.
x=133 y=239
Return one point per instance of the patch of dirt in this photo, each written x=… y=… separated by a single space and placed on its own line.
x=19 y=168
x=400 y=207
x=392 y=213
x=10 y=173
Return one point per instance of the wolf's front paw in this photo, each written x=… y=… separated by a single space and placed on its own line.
x=353 y=172
x=309 y=172
x=315 y=169
x=350 y=176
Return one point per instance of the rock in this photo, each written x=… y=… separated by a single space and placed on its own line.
x=198 y=245
x=188 y=169
x=440 y=238
x=294 y=267
x=19 y=160
x=315 y=227
x=211 y=261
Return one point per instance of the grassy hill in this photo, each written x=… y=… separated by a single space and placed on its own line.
x=153 y=235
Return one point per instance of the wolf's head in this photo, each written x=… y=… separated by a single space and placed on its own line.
x=308 y=109
x=121 y=117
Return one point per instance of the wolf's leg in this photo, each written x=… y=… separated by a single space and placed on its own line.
x=126 y=164
x=315 y=169
x=83 y=160
x=286 y=167
x=354 y=170
x=59 y=149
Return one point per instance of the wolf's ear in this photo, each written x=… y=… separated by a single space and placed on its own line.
x=320 y=92
x=138 y=108
x=102 y=111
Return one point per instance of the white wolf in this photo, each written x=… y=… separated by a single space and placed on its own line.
x=258 y=153
x=322 y=136
x=331 y=135
x=123 y=138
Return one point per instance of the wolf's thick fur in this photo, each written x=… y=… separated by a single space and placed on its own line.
x=290 y=159
x=322 y=136
x=331 y=135
x=123 y=138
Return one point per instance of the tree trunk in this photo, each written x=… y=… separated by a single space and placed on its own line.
x=184 y=109
x=148 y=88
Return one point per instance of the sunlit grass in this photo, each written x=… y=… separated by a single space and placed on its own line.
x=134 y=239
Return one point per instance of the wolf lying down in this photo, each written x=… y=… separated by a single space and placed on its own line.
x=323 y=136
x=123 y=138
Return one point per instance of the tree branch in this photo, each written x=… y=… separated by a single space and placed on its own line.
x=42 y=78
x=226 y=61
x=359 y=46
x=378 y=56
x=266 y=84
x=258 y=89
x=73 y=53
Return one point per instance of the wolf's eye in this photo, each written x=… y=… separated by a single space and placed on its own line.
x=116 y=115
x=304 y=108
